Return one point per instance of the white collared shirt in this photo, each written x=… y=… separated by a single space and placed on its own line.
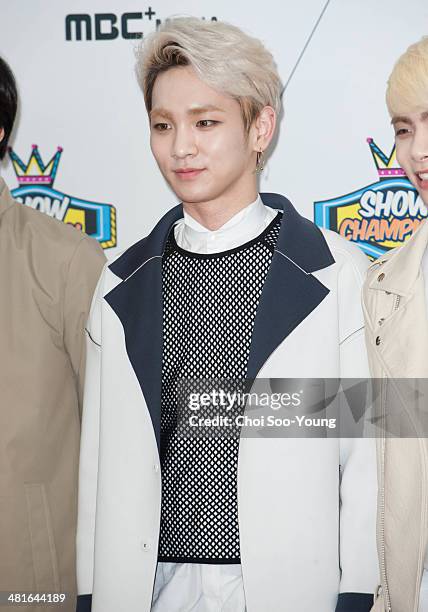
x=245 y=225
x=199 y=587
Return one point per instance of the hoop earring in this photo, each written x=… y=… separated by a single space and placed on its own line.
x=260 y=161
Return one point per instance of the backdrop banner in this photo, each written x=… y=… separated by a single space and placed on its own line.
x=80 y=149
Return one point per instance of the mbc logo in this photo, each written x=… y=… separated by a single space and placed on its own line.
x=106 y=26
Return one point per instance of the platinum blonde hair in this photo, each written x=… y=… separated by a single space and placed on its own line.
x=222 y=55
x=407 y=89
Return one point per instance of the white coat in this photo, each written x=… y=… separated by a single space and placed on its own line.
x=306 y=507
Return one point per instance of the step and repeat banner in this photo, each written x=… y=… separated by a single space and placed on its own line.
x=80 y=149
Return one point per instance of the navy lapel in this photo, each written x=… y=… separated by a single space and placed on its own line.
x=137 y=301
x=289 y=295
x=290 y=292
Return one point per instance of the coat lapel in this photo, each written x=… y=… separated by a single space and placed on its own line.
x=137 y=301
x=290 y=293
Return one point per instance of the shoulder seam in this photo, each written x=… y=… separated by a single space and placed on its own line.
x=352 y=335
x=82 y=238
x=349 y=257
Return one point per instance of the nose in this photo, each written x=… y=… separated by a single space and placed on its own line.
x=419 y=149
x=184 y=143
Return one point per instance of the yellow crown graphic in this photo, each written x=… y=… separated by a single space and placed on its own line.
x=387 y=167
x=35 y=172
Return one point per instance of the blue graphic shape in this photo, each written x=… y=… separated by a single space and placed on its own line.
x=102 y=211
x=323 y=208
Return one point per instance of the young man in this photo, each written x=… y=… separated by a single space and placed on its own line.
x=395 y=305
x=48 y=273
x=228 y=285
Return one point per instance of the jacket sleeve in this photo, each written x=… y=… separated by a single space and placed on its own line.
x=89 y=444
x=358 y=474
x=83 y=273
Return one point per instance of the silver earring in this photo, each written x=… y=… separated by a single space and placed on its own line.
x=260 y=159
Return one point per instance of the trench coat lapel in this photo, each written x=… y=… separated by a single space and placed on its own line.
x=402 y=275
x=290 y=293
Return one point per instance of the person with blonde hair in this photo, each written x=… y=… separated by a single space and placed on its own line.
x=395 y=307
x=175 y=513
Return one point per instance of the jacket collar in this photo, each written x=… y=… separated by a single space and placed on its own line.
x=6 y=200
x=289 y=295
x=295 y=236
x=401 y=266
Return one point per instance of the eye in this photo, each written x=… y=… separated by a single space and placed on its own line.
x=206 y=122
x=402 y=131
x=161 y=127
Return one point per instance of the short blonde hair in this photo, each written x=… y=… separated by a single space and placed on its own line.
x=407 y=89
x=222 y=55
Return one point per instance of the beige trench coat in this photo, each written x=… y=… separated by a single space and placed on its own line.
x=48 y=272
x=395 y=310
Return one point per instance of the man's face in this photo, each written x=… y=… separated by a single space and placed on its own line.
x=411 y=139
x=198 y=139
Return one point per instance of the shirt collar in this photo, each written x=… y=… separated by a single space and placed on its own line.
x=299 y=240
x=242 y=227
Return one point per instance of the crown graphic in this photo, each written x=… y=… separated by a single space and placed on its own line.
x=386 y=166
x=35 y=172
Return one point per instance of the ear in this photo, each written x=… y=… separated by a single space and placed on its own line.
x=263 y=128
x=1 y=134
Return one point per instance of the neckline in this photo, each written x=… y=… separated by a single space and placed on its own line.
x=227 y=252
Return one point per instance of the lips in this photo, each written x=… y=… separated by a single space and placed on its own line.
x=422 y=179
x=188 y=173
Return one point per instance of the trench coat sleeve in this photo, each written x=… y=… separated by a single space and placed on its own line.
x=83 y=273
x=358 y=488
x=88 y=466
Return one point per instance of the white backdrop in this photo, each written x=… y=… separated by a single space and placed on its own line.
x=82 y=95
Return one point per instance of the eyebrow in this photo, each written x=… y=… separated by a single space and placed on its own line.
x=203 y=109
x=403 y=119
x=197 y=110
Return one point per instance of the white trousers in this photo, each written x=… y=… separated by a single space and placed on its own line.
x=193 y=587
